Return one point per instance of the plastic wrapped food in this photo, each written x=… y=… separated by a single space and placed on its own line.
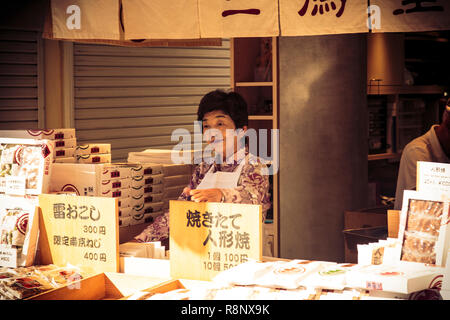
x=13 y=227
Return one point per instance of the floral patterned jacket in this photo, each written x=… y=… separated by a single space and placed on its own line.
x=252 y=188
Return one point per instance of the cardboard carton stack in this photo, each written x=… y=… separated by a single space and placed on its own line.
x=176 y=178
x=93 y=153
x=148 y=187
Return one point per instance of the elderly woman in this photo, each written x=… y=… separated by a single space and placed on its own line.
x=235 y=175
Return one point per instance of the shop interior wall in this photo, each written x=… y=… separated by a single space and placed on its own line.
x=323 y=141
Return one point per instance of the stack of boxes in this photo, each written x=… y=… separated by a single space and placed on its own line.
x=176 y=178
x=148 y=189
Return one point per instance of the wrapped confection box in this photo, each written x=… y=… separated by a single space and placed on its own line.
x=19 y=228
x=25 y=165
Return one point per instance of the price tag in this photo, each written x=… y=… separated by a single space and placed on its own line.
x=15 y=185
x=8 y=257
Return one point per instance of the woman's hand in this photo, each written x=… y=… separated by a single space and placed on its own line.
x=209 y=195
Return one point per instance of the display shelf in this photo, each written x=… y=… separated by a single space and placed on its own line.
x=384 y=156
x=254 y=84
x=374 y=89
x=254 y=75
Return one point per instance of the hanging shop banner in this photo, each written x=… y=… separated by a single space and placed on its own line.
x=408 y=16
x=80 y=231
x=160 y=19
x=433 y=177
x=237 y=18
x=207 y=238
x=308 y=17
x=85 y=19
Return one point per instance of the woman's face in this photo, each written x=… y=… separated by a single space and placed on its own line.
x=216 y=122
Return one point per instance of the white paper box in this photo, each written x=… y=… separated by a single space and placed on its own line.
x=66 y=143
x=64 y=153
x=137 y=181
x=402 y=278
x=172 y=181
x=156 y=197
x=125 y=212
x=153 y=188
x=113 y=170
x=86 y=179
x=65 y=160
x=28 y=160
x=124 y=221
x=152 y=168
x=49 y=134
x=172 y=193
x=124 y=202
x=177 y=169
x=153 y=179
x=137 y=219
x=93 y=148
x=123 y=183
x=137 y=192
x=94 y=158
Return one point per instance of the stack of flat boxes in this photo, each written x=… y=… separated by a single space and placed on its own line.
x=176 y=178
x=148 y=188
x=93 y=153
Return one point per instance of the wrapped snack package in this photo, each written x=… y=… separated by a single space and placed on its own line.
x=423 y=228
x=13 y=227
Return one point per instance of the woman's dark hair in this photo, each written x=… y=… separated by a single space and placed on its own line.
x=230 y=103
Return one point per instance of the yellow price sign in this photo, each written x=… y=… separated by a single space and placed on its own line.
x=207 y=238
x=81 y=231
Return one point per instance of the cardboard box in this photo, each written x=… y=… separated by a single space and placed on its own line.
x=48 y=134
x=156 y=197
x=177 y=169
x=65 y=160
x=25 y=166
x=93 y=148
x=401 y=278
x=154 y=188
x=103 y=286
x=94 y=158
x=66 y=143
x=181 y=180
x=153 y=179
x=64 y=153
x=88 y=179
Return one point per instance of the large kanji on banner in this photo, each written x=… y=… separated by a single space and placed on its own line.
x=160 y=19
x=311 y=17
x=85 y=19
x=238 y=18
x=409 y=15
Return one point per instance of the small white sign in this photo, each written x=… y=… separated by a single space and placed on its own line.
x=8 y=257
x=433 y=176
x=15 y=185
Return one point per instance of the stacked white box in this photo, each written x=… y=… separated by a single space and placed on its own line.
x=176 y=178
x=97 y=180
x=149 y=182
